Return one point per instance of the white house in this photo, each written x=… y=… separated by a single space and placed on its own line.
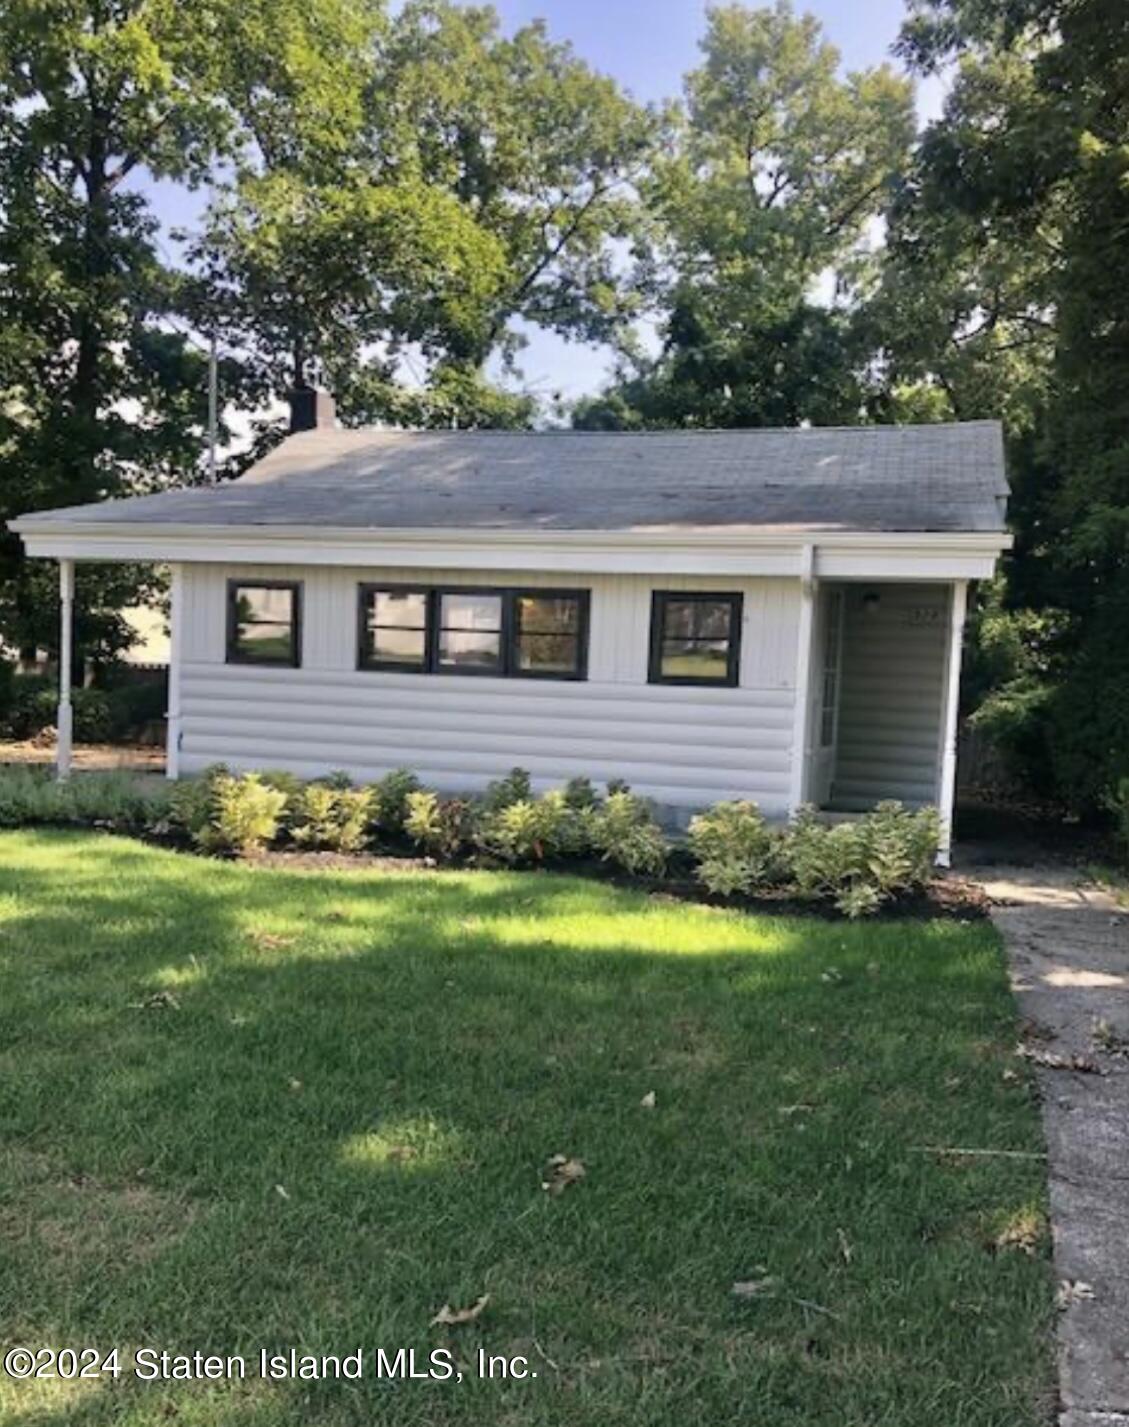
x=770 y=614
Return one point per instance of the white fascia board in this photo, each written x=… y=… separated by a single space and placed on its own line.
x=838 y=554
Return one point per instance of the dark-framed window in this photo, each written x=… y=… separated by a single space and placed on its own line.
x=549 y=634
x=264 y=622
x=474 y=630
x=394 y=628
x=695 y=638
x=470 y=632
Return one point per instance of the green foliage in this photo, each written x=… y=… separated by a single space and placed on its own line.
x=625 y=832
x=32 y=705
x=734 y=848
x=474 y=181
x=580 y=793
x=100 y=398
x=244 y=815
x=122 y=801
x=861 y=864
x=290 y=786
x=534 y=829
x=333 y=818
x=390 y=802
x=442 y=827
x=1007 y=287
x=1117 y=804
x=768 y=185
x=1087 y=708
x=515 y=787
x=192 y=801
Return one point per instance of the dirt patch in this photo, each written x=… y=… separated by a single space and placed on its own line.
x=68 y=1217
x=100 y=757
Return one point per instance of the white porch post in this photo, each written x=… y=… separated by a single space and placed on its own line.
x=64 y=718
x=798 y=788
x=946 y=792
x=176 y=634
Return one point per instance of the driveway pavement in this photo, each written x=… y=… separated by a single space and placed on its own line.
x=1068 y=948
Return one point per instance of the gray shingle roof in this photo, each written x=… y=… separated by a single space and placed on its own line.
x=868 y=478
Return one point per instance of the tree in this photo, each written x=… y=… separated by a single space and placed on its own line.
x=1043 y=174
x=100 y=397
x=778 y=170
x=484 y=183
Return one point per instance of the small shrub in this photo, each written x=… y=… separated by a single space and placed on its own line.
x=244 y=817
x=900 y=847
x=390 y=802
x=580 y=793
x=119 y=800
x=32 y=705
x=861 y=864
x=515 y=787
x=191 y=802
x=136 y=709
x=534 y=829
x=331 y=817
x=442 y=827
x=624 y=831
x=734 y=848
x=291 y=787
x=92 y=718
x=572 y=821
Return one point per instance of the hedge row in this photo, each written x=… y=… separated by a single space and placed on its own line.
x=857 y=866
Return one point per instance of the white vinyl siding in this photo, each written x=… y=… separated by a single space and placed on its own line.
x=893 y=669
x=684 y=746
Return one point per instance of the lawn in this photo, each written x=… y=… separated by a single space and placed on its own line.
x=250 y=1108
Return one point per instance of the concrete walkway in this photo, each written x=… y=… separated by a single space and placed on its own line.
x=1068 y=948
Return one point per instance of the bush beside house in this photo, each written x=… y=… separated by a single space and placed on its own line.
x=858 y=866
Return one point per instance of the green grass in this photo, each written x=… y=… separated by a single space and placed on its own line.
x=402 y=1052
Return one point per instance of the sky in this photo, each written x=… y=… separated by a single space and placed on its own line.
x=647 y=45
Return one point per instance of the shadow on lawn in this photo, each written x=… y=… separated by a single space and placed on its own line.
x=252 y=1109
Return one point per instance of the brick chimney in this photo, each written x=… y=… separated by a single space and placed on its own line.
x=311 y=410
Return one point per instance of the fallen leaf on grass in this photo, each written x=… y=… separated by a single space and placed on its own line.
x=832 y=975
x=648 y=1101
x=294 y=1084
x=560 y=1172
x=1072 y=1290
x=1023 y=1235
x=158 y=1001
x=271 y=941
x=846 y=1248
x=281 y=1191
x=801 y=1109
x=752 y=1287
x=449 y=1317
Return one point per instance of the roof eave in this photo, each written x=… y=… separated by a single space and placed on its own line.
x=656 y=549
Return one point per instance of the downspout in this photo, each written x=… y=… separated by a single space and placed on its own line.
x=176 y=639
